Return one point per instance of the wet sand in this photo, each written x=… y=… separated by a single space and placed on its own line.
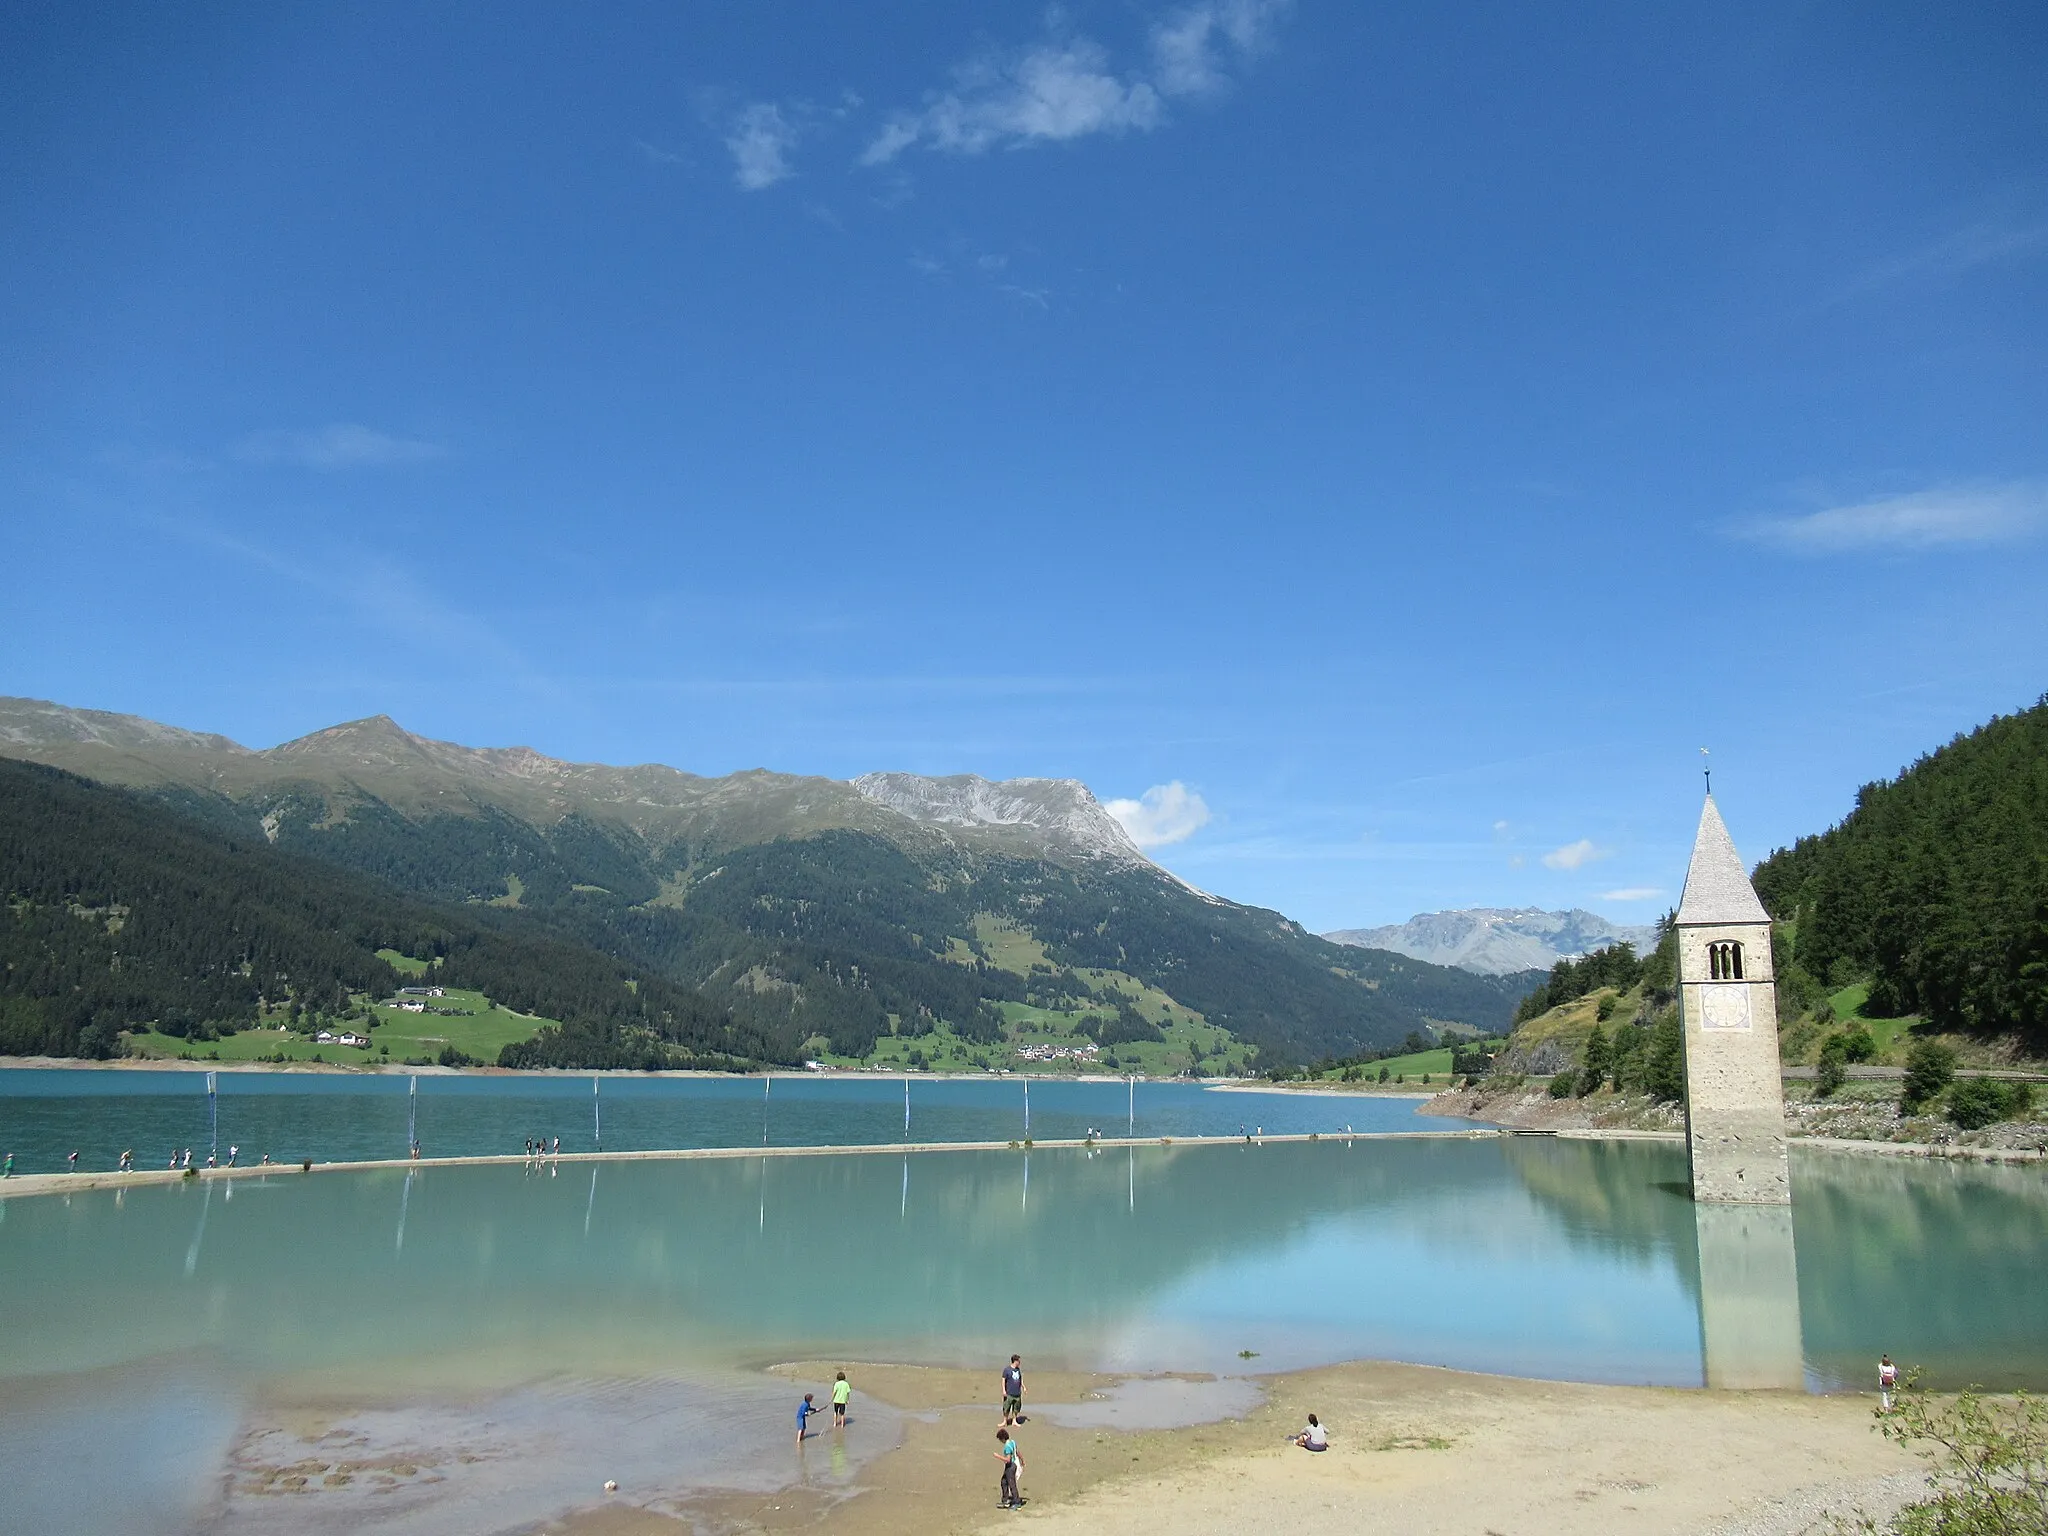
x=1412 y=1449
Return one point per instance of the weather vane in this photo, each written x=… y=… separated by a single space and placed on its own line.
x=1707 y=767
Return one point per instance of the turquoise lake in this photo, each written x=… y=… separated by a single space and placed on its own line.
x=170 y=1314
x=330 y=1117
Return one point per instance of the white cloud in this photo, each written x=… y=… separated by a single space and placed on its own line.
x=342 y=445
x=1066 y=88
x=1165 y=813
x=760 y=139
x=1962 y=515
x=1189 y=47
x=1574 y=855
x=1631 y=893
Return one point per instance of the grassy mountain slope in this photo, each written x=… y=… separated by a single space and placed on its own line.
x=807 y=909
x=1935 y=888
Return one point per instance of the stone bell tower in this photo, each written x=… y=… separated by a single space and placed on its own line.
x=1735 y=1101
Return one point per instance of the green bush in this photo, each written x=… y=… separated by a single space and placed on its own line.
x=1857 y=1044
x=1930 y=1067
x=1975 y=1102
x=1988 y=1464
x=1829 y=1075
x=1563 y=1084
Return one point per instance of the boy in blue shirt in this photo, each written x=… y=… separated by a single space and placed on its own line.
x=804 y=1410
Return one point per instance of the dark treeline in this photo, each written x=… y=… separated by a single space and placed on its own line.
x=1935 y=887
x=120 y=912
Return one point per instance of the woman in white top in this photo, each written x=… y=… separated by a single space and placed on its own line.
x=1314 y=1438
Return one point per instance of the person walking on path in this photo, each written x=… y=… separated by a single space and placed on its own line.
x=128 y=1161
x=73 y=1161
x=1887 y=1383
x=1013 y=1392
x=804 y=1410
x=1007 y=1495
x=7 y=1169
x=842 y=1394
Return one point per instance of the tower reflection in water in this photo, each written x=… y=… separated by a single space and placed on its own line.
x=1749 y=1296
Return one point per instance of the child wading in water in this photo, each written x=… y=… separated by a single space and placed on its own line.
x=804 y=1410
x=1007 y=1495
x=842 y=1393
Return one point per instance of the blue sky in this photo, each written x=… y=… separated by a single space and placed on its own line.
x=1394 y=438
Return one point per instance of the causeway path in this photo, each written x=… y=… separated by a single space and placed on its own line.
x=69 y=1183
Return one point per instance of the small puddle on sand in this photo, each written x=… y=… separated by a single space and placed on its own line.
x=507 y=1459
x=1157 y=1402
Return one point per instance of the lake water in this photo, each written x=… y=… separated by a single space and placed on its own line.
x=616 y=1314
x=47 y=1114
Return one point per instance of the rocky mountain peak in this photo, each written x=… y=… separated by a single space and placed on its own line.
x=1062 y=811
x=1498 y=941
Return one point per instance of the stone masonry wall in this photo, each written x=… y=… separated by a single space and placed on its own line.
x=1735 y=1101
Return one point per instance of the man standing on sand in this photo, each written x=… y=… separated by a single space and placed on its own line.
x=1013 y=1392
x=1887 y=1383
x=842 y=1393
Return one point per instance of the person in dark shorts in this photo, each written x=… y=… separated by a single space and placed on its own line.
x=1013 y=1392
x=842 y=1393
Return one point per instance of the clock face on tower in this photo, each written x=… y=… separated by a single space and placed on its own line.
x=1724 y=1007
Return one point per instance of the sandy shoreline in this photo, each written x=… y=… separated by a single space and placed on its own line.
x=1413 y=1449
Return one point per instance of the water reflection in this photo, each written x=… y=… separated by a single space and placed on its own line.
x=1749 y=1296
x=1577 y=1260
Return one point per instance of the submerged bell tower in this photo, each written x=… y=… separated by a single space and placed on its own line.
x=1735 y=1100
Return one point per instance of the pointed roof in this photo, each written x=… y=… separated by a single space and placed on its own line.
x=1717 y=888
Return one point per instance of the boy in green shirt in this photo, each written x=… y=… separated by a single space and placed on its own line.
x=842 y=1392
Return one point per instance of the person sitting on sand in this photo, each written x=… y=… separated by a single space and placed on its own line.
x=1315 y=1437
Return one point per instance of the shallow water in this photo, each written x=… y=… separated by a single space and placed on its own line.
x=46 y=1114
x=391 y=1288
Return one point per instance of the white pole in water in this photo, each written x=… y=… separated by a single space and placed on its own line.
x=906 y=1109
x=1027 y=1109
x=412 y=1116
x=767 y=1083
x=596 y=1115
x=212 y=1119
x=1131 y=1107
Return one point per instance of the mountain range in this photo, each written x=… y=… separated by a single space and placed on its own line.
x=808 y=912
x=1498 y=941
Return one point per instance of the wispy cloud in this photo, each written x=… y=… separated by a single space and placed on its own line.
x=342 y=445
x=1931 y=519
x=1631 y=893
x=1066 y=88
x=1982 y=243
x=1575 y=855
x=1164 y=814
x=761 y=139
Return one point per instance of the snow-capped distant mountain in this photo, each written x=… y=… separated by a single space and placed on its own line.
x=1498 y=941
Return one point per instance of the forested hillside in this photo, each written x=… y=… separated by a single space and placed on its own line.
x=1935 y=887
x=122 y=912
x=804 y=909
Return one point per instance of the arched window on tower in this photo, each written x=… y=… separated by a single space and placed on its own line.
x=1724 y=961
